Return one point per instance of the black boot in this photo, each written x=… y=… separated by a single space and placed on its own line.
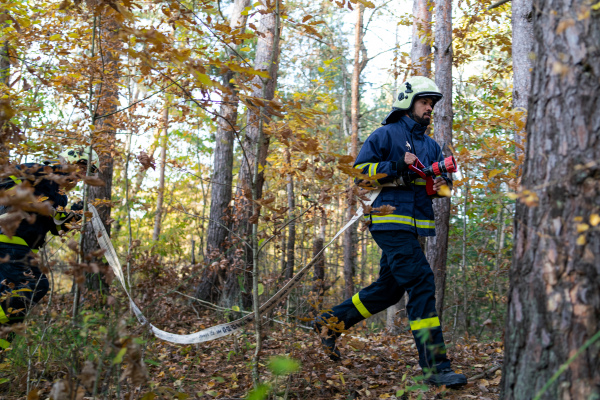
x=447 y=377
x=328 y=343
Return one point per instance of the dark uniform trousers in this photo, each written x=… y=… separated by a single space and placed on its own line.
x=22 y=284
x=403 y=267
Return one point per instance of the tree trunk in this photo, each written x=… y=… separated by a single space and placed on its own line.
x=522 y=41
x=554 y=296
x=437 y=246
x=161 y=180
x=349 y=242
x=6 y=110
x=104 y=138
x=420 y=53
x=291 y=242
x=318 y=243
x=266 y=59
x=220 y=195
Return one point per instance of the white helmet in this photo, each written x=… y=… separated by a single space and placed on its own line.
x=415 y=87
x=78 y=155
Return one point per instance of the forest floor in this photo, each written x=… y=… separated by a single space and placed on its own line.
x=373 y=366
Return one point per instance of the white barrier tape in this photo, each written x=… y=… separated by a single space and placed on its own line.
x=217 y=331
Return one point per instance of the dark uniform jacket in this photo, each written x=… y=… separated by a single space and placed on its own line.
x=383 y=153
x=33 y=235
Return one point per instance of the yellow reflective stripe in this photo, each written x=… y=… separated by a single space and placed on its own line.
x=433 y=322
x=3 y=317
x=425 y=223
x=420 y=182
x=403 y=219
x=15 y=179
x=360 y=306
x=372 y=168
x=392 y=218
x=375 y=172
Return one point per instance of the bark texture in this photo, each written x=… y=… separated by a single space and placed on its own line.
x=104 y=137
x=6 y=110
x=437 y=246
x=319 y=266
x=522 y=45
x=266 y=59
x=554 y=296
x=291 y=242
x=420 y=54
x=161 y=180
x=222 y=179
x=360 y=61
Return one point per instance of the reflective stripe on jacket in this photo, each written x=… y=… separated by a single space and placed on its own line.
x=383 y=153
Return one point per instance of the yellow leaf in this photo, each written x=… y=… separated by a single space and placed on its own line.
x=55 y=37
x=321 y=70
x=367 y=3
x=204 y=79
x=495 y=172
x=444 y=191
x=581 y=240
x=564 y=25
x=582 y=227
x=595 y=218
x=245 y=48
x=512 y=195
x=596 y=6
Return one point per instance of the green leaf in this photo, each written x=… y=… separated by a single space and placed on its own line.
x=259 y=393
x=3 y=380
x=4 y=343
x=241 y=282
x=235 y=308
x=152 y=362
x=399 y=393
x=283 y=365
x=261 y=289
x=119 y=358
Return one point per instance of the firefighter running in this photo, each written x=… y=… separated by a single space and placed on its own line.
x=22 y=284
x=390 y=150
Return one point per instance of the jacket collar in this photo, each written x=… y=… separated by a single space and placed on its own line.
x=416 y=129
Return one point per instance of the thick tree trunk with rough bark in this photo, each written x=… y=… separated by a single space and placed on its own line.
x=554 y=296
x=104 y=138
x=437 y=246
x=420 y=54
x=266 y=59
x=360 y=61
x=522 y=41
x=161 y=179
x=222 y=179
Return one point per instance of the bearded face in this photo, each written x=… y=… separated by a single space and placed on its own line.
x=421 y=110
